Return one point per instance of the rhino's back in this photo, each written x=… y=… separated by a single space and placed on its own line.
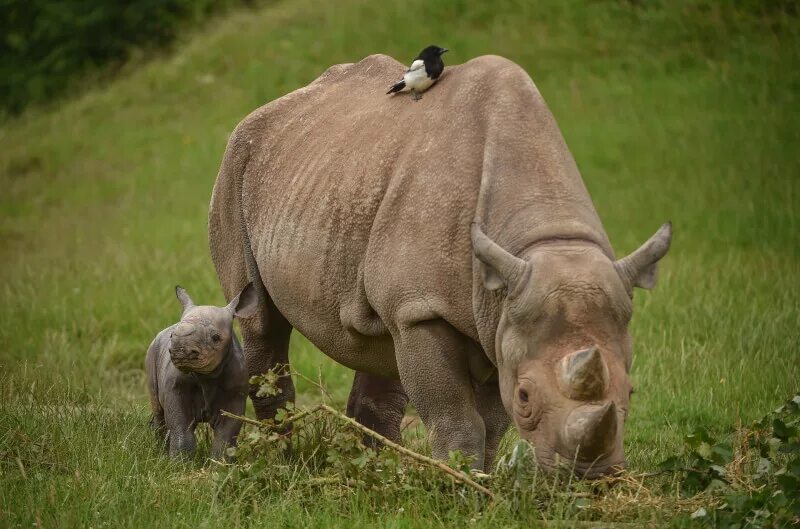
x=345 y=187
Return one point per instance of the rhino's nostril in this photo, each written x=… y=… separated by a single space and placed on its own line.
x=195 y=353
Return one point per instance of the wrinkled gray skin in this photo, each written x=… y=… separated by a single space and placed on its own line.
x=449 y=244
x=196 y=368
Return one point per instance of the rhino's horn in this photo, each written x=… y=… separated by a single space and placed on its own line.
x=591 y=429
x=583 y=375
x=183 y=329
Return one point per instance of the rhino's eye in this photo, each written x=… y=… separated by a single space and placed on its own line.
x=216 y=338
x=523 y=395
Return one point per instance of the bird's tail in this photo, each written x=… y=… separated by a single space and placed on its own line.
x=397 y=87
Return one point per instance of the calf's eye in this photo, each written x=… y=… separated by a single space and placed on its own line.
x=216 y=338
x=523 y=395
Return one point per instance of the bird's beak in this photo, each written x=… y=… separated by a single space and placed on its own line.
x=444 y=50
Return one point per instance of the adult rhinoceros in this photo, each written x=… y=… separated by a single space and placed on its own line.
x=449 y=244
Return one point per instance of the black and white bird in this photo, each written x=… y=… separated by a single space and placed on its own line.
x=424 y=71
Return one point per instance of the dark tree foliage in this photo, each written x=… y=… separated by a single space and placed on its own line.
x=45 y=45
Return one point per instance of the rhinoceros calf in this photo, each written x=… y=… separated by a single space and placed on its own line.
x=196 y=368
x=450 y=245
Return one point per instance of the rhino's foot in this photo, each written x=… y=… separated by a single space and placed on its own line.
x=181 y=439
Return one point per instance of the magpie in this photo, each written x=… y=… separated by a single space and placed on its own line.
x=424 y=71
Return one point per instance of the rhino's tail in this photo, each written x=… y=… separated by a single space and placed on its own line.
x=228 y=237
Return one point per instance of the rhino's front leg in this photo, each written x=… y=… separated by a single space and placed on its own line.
x=495 y=418
x=226 y=429
x=435 y=374
x=182 y=442
x=180 y=423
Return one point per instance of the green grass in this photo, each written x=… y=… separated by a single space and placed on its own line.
x=684 y=110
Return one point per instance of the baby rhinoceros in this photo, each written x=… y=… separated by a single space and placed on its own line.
x=195 y=369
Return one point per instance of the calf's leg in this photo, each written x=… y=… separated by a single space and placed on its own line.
x=180 y=427
x=226 y=429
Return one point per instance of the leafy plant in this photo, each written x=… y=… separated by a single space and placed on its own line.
x=305 y=448
x=267 y=382
x=755 y=478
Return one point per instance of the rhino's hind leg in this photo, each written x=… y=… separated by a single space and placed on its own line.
x=379 y=404
x=159 y=427
x=434 y=372
x=266 y=346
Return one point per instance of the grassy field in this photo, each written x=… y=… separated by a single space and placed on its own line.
x=685 y=110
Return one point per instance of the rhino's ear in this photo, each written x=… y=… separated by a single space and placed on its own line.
x=245 y=303
x=183 y=297
x=499 y=268
x=640 y=269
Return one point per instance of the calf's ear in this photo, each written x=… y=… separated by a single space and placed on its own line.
x=245 y=303
x=640 y=269
x=183 y=297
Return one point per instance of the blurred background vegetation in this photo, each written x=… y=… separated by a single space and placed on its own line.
x=49 y=47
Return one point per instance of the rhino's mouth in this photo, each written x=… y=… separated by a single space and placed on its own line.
x=189 y=360
x=581 y=469
x=184 y=367
x=193 y=361
x=194 y=366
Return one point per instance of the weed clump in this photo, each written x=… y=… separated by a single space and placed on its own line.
x=752 y=475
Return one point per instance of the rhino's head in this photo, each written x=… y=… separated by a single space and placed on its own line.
x=562 y=344
x=202 y=339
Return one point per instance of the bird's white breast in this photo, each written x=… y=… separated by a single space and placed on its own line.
x=417 y=79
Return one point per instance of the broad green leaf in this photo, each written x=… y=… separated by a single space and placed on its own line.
x=704 y=451
x=782 y=431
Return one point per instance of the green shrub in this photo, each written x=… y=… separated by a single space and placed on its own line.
x=47 y=44
x=756 y=478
